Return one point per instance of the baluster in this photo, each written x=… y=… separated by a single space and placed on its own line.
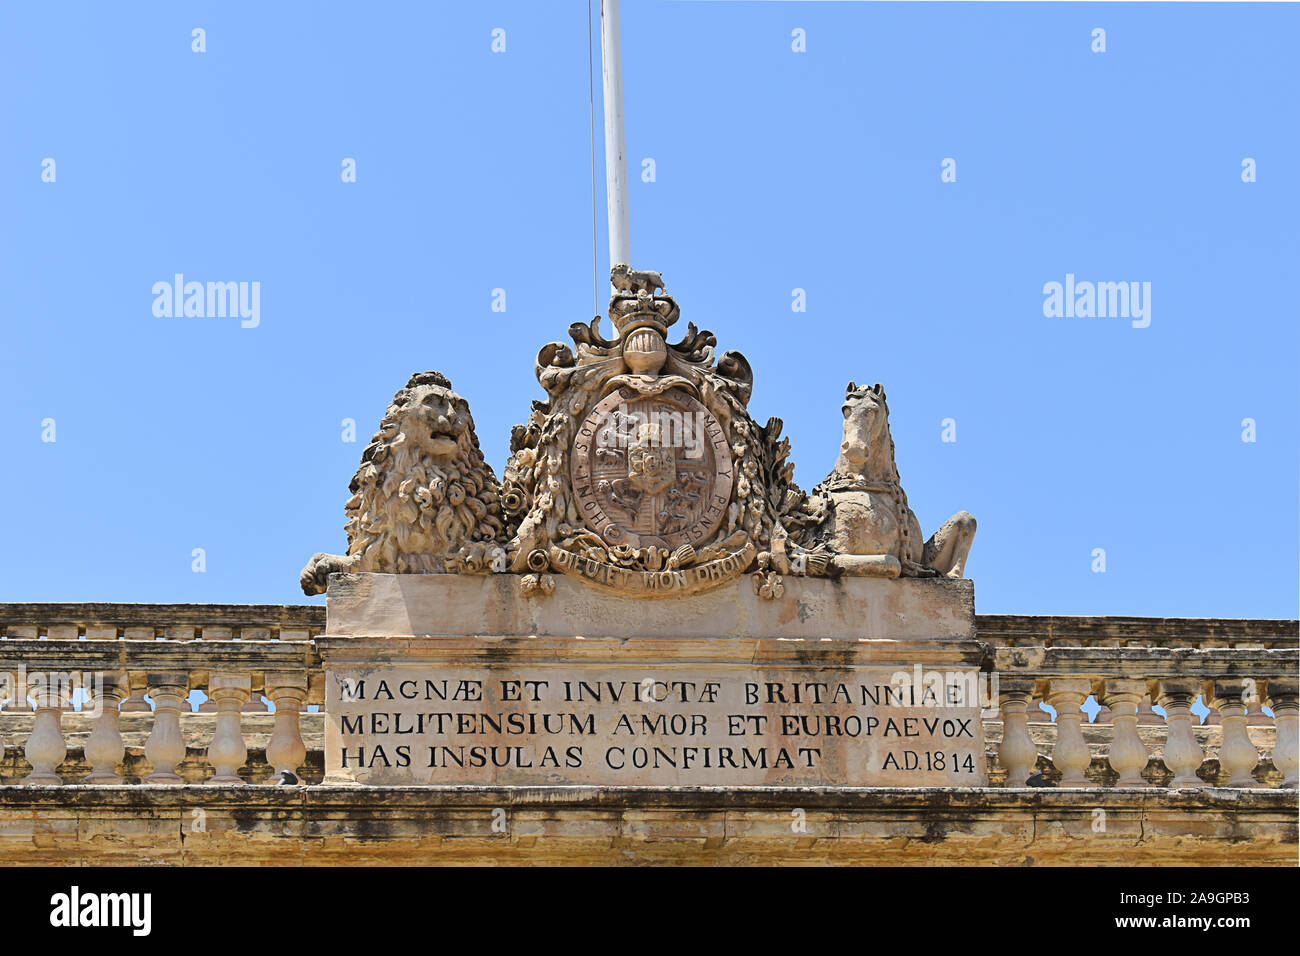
x=1128 y=755
x=134 y=702
x=18 y=698
x=11 y=692
x=1104 y=714
x=285 y=750
x=209 y=706
x=46 y=747
x=1148 y=717
x=1017 y=752
x=64 y=632
x=1255 y=716
x=1071 y=755
x=165 y=747
x=228 y=752
x=255 y=704
x=1182 y=753
x=104 y=747
x=1237 y=755
x=1284 y=701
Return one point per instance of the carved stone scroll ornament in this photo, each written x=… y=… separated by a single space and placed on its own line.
x=424 y=499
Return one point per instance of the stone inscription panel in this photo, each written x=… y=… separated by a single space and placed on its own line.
x=706 y=725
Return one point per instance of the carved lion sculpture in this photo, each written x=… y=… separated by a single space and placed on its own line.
x=423 y=500
x=868 y=523
x=627 y=279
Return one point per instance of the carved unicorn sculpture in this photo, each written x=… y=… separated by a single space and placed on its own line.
x=869 y=525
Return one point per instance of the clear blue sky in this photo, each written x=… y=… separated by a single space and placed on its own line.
x=775 y=170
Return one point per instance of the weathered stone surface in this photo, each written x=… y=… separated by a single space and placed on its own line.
x=648 y=490
x=652 y=712
x=1099 y=737
x=73 y=824
x=424 y=499
x=198 y=728
x=1032 y=630
x=490 y=669
x=642 y=472
x=417 y=826
x=373 y=605
x=865 y=519
x=1147 y=662
x=218 y=621
x=105 y=621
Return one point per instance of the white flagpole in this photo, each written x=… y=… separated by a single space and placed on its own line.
x=620 y=243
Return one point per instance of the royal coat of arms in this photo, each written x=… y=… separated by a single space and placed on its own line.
x=652 y=472
x=641 y=471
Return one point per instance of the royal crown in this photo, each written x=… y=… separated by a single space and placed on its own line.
x=639 y=302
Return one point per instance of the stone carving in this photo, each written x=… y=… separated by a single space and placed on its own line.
x=423 y=499
x=863 y=517
x=653 y=469
x=627 y=279
x=641 y=471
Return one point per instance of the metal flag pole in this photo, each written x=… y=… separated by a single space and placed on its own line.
x=620 y=243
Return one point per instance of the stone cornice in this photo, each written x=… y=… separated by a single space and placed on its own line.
x=165 y=615
x=39 y=655
x=648 y=652
x=1148 y=663
x=858 y=799
x=1014 y=629
x=414 y=826
x=995 y=629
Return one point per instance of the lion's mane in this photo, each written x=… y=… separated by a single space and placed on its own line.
x=422 y=493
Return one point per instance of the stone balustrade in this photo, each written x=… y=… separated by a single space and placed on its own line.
x=77 y=676
x=1125 y=751
x=78 y=684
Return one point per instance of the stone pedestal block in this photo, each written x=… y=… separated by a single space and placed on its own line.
x=454 y=605
x=459 y=680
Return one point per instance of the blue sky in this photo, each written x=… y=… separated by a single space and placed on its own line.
x=775 y=170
